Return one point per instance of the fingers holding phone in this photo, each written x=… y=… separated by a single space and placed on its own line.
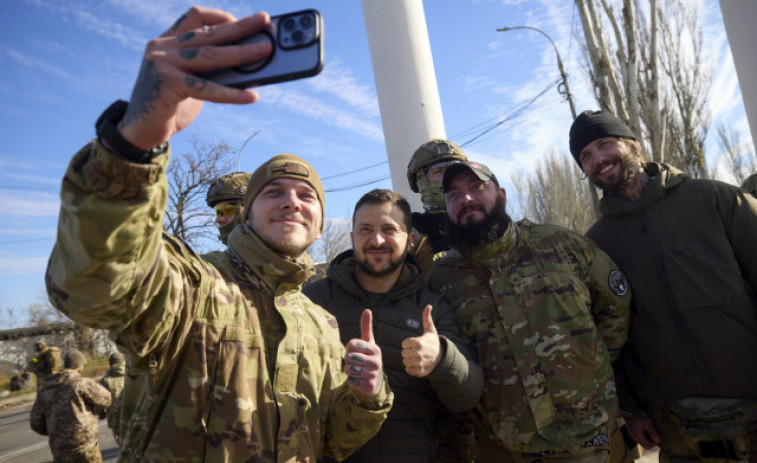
x=168 y=94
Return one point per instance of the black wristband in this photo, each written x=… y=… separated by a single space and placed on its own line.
x=107 y=131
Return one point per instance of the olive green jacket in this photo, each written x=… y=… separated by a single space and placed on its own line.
x=229 y=362
x=546 y=311
x=689 y=250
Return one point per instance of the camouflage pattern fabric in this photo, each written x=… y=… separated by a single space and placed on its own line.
x=750 y=184
x=206 y=381
x=715 y=430
x=45 y=363
x=113 y=381
x=66 y=409
x=546 y=312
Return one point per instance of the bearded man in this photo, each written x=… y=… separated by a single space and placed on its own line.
x=424 y=356
x=546 y=312
x=687 y=380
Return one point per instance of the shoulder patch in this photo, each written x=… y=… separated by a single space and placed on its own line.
x=618 y=283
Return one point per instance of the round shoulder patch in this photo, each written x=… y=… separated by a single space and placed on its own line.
x=618 y=283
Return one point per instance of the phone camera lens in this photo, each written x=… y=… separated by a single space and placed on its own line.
x=306 y=21
x=298 y=36
x=288 y=23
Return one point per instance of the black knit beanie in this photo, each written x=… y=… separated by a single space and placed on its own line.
x=593 y=125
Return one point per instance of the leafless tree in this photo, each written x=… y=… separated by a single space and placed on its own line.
x=648 y=68
x=556 y=194
x=741 y=160
x=189 y=175
x=334 y=239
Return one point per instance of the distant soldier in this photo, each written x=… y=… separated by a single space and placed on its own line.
x=66 y=410
x=113 y=381
x=424 y=174
x=225 y=196
x=21 y=381
x=45 y=363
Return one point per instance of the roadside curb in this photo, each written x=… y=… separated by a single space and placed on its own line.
x=18 y=400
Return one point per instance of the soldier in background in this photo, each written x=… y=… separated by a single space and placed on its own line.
x=424 y=174
x=67 y=408
x=113 y=381
x=546 y=312
x=21 y=381
x=45 y=362
x=225 y=196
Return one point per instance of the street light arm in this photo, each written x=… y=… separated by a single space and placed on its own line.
x=560 y=67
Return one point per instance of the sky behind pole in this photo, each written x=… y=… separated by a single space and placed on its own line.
x=63 y=61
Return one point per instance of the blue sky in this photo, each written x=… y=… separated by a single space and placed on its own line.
x=63 y=61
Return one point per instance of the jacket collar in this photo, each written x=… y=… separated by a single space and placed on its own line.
x=266 y=265
x=342 y=272
x=662 y=177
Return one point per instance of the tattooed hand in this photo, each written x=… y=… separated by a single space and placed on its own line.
x=362 y=361
x=167 y=96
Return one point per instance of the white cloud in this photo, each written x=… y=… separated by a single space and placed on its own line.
x=23 y=266
x=34 y=63
x=32 y=204
x=339 y=81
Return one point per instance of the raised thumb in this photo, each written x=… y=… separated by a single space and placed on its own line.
x=428 y=322
x=366 y=326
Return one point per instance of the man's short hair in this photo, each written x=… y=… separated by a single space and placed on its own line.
x=381 y=196
x=73 y=359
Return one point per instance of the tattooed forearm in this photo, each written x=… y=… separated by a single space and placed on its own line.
x=189 y=53
x=196 y=82
x=178 y=22
x=146 y=91
x=186 y=36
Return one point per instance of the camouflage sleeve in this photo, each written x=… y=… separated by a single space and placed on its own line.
x=611 y=299
x=95 y=395
x=457 y=380
x=37 y=420
x=109 y=268
x=353 y=419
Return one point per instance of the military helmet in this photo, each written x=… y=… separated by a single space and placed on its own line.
x=431 y=152
x=228 y=187
x=40 y=346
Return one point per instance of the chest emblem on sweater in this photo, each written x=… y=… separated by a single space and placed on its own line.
x=618 y=283
x=412 y=323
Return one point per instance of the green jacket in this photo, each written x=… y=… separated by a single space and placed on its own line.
x=456 y=382
x=688 y=249
x=546 y=311
x=229 y=362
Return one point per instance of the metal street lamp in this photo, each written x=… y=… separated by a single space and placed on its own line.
x=564 y=89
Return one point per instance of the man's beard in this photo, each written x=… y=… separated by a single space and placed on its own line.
x=629 y=163
x=490 y=228
x=369 y=270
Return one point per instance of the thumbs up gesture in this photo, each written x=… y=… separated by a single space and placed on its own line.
x=422 y=354
x=362 y=361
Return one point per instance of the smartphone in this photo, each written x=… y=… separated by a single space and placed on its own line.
x=297 y=43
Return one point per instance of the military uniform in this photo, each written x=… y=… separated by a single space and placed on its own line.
x=66 y=409
x=546 y=311
x=230 y=361
x=45 y=363
x=113 y=381
x=230 y=187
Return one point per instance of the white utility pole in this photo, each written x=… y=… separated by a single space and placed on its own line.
x=403 y=70
x=739 y=18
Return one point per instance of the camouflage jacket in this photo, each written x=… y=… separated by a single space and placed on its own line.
x=113 y=381
x=546 y=311
x=66 y=409
x=228 y=361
